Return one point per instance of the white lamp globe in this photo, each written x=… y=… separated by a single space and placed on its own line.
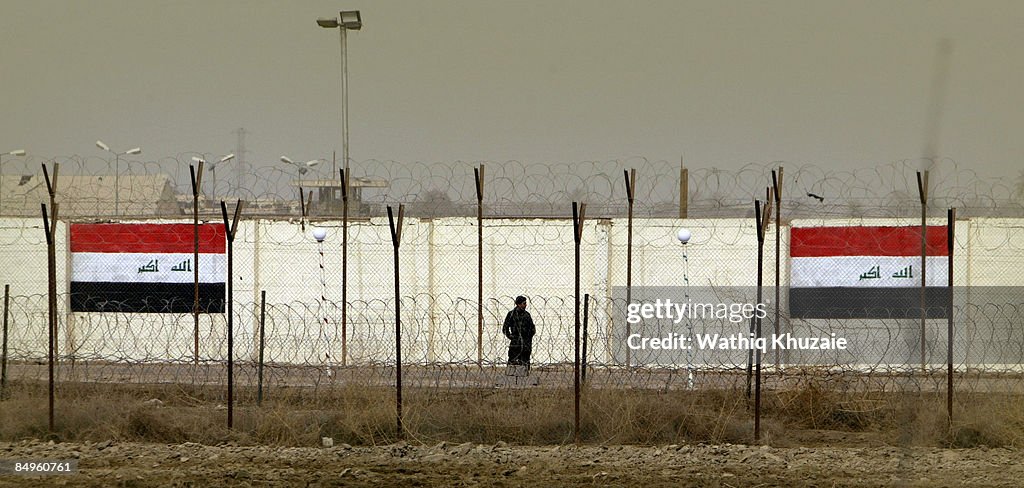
x=684 y=235
x=319 y=234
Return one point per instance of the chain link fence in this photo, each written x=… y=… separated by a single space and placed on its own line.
x=528 y=249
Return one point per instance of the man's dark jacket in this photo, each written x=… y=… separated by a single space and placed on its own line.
x=519 y=327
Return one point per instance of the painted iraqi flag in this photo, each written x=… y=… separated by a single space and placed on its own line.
x=866 y=272
x=146 y=268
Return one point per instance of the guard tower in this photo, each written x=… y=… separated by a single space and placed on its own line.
x=329 y=202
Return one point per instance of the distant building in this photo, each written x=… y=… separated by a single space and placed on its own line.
x=91 y=196
x=329 y=197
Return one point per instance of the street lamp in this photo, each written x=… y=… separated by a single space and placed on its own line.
x=303 y=167
x=346 y=20
x=117 y=171
x=16 y=152
x=213 y=170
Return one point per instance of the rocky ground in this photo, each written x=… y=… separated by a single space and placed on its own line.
x=133 y=464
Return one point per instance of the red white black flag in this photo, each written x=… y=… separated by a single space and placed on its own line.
x=866 y=272
x=146 y=268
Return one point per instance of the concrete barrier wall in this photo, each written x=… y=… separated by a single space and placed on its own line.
x=438 y=257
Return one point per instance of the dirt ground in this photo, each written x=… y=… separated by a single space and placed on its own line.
x=137 y=465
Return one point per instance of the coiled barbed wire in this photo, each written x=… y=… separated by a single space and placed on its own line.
x=162 y=188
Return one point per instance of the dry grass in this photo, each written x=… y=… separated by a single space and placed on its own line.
x=366 y=416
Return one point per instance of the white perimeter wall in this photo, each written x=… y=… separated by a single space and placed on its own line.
x=438 y=284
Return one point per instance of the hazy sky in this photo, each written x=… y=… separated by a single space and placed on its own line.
x=839 y=84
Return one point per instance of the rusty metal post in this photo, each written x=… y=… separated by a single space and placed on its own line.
x=684 y=189
x=396 y=240
x=922 y=188
x=630 y=195
x=50 y=226
x=51 y=188
x=578 y=215
x=344 y=266
x=762 y=227
x=479 y=174
x=197 y=179
x=304 y=208
x=263 y=326
x=3 y=351
x=230 y=228
x=777 y=191
x=950 y=241
x=753 y=320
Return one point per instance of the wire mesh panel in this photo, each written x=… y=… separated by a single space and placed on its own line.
x=528 y=249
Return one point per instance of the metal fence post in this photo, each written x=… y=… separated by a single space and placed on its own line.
x=344 y=265
x=479 y=174
x=630 y=198
x=950 y=241
x=578 y=215
x=396 y=240
x=197 y=179
x=922 y=188
x=259 y=373
x=50 y=226
x=777 y=192
x=762 y=225
x=3 y=351
x=230 y=229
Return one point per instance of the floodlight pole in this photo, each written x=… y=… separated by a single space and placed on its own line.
x=344 y=93
x=345 y=21
x=117 y=172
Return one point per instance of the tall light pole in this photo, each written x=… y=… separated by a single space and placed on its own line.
x=302 y=167
x=117 y=171
x=16 y=152
x=213 y=171
x=345 y=21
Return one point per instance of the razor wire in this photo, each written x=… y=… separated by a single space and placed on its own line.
x=161 y=188
x=157 y=348
x=528 y=246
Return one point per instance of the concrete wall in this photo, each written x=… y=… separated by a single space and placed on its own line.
x=439 y=288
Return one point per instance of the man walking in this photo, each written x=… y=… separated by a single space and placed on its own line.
x=519 y=330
